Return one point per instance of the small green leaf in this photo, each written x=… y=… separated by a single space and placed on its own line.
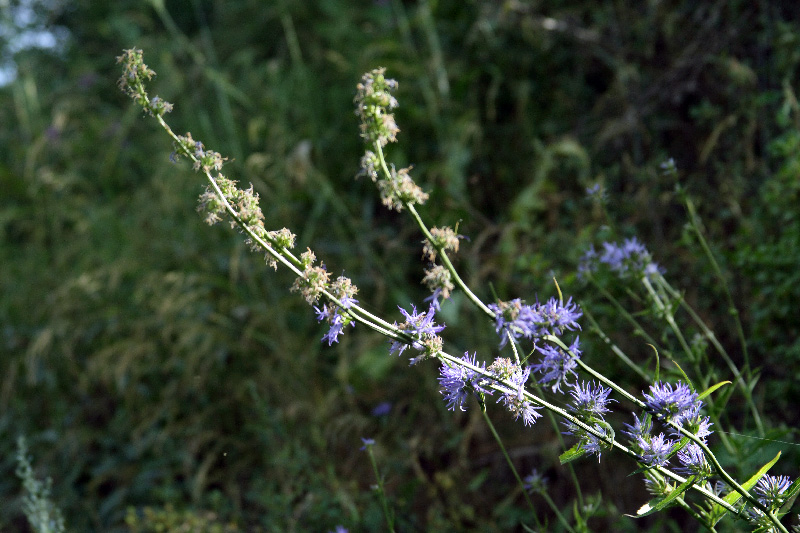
x=680 y=489
x=712 y=388
x=573 y=453
x=685 y=377
x=658 y=363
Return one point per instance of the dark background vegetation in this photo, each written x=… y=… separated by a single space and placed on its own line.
x=154 y=362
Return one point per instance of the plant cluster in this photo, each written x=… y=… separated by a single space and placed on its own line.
x=670 y=420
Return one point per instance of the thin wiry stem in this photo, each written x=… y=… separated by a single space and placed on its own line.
x=512 y=467
x=440 y=250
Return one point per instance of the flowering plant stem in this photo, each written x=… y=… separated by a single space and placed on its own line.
x=670 y=320
x=694 y=222
x=377 y=324
x=556 y=430
x=475 y=300
x=668 y=316
x=706 y=451
x=419 y=326
x=425 y=231
x=666 y=312
x=287 y=258
x=503 y=386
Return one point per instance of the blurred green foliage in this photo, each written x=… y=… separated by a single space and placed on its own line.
x=168 y=519
x=155 y=363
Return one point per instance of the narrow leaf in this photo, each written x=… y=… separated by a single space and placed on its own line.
x=659 y=503
x=685 y=377
x=712 y=388
x=734 y=496
x=680 y=489
x=658 y=363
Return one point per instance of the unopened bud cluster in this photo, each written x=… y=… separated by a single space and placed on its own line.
x=222 y=196
x=373 y=101
x=205 y=160
x=444 y=238
x=399 y=190
x=314 y=279
x=134 y=72
x=437 y=278
x=378 y=128
x=439 y=281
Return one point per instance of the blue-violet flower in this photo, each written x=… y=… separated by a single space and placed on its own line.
x=557 y=364
x=671 y=404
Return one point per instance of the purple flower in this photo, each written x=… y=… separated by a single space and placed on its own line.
x=531 y=321
x=694 y=461
x=590 y=404
x=692 y=421
x=535 y=482
x=614 y=257
x=590 y=400
x=672 y=404
x=593 y=444
x=335 y=330
x=419 y=325
x=382 y=409
x=557 y=364
x=720 y=488
x=339 y=529
x=347 y=301
x=633 y=248
x=589 y=442
x=770 y=490
x=630 y=257
x=642 y=426
x=557 y=316
x=516 y=402
x=434 y=299
x=655 y=450
x=453 y=383
x=669 y=167
x=332 y=313
x=508 y=319
x=596 y=192
x=457 y=381
x=367 y=443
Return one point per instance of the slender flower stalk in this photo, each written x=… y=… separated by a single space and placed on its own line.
x=695 y=225
x=516 y=473
x=441 y=252
x=388 y=515
x=663 y=299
